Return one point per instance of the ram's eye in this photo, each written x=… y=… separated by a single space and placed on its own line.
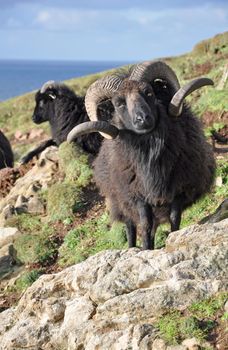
x=120 y=102
x=149 y=93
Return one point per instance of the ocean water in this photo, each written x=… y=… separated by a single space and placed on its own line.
x=19 y=76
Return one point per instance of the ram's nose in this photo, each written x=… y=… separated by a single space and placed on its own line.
x=37 y=119
x=141 y=118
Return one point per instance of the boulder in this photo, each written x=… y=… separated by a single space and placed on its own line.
x=8 y=235
x=113 y=299
x=24 y=195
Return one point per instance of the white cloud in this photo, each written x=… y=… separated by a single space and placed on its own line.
x=64 y=19
x=43 y=17
x=168 y=16
x=133 y=33
x=39 y=17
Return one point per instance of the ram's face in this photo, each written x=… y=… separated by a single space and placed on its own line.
x=42 y=108
x=135 y=106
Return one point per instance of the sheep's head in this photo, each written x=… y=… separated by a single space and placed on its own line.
x=135 y=98
x=135 y=107
x=44 y=98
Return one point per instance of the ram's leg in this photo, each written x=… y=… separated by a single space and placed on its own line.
x=146 y=223
x=131 y=234
x=175 y=213
x=36 y=151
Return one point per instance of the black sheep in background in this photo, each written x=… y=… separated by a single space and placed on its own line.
x=6 y=153
x=157 y=162
x=63 y=109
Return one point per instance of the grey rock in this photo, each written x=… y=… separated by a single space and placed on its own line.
x=114 y=298
x=35 y=206
x=192 y=344
x=8 y=235
x=159 y=344
x=24 y=196
x=8 y=260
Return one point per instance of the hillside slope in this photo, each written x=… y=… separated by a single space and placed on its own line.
x=51 y=211
x=208 y=58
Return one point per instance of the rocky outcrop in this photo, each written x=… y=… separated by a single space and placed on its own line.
x=112 y=300
x=24 y=196
x=8 y=254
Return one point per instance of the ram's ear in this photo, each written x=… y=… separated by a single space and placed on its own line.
x=105 y=110
x=162 y=91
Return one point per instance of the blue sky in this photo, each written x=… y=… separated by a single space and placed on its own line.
x=123 y=30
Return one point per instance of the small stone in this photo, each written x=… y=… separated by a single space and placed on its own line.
x=8 y=260
x=7 y=212
x=191 y=344
x=176 y=347
x=20 y=136
x=226 y=307
x=35 y=206
x=20 y=200
x=35 y=133
x=159 y=344
x=8 y=235
x=55 y=309
x=33 y=189
x=218 y=181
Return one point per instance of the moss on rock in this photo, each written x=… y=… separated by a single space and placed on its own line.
x=62 y=201
x=75 y=164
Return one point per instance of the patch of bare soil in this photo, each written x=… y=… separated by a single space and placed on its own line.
x=199 y=69
x=30 y=137
x=218 y=336
x=209 y=118
x=8 y=177
x=219 y=139
x=8 y=300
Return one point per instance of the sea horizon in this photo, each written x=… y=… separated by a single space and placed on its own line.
x=20 y=76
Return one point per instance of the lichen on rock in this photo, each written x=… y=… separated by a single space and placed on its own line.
x=113 y=299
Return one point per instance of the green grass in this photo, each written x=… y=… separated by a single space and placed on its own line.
x=209 y=307
x=35 y=244
x=63 y=200
x=174 y=328
x=209 y=203
x=75 y=164
x=35 y=248
x=213 y=101
x=90 y=238
x=27 y=279
x=25 y=223
x=197 y=321
x=225 y=317
x=161 y=235
x=215 y=127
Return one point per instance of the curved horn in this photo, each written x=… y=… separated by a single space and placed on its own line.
x=149 y=71
x=98 y=91
x=47 y=85
x=176 y=104
x=108 y=130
